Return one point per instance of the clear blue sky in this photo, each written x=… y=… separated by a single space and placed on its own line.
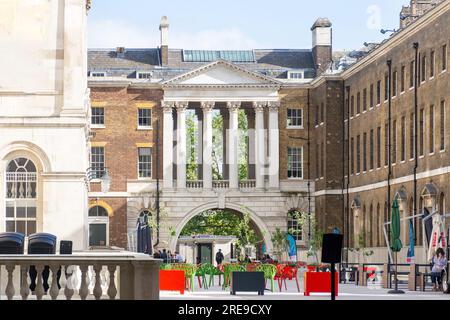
x=238 y=24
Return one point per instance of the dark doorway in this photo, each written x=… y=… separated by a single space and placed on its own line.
x=204 y=253
x=97 y=235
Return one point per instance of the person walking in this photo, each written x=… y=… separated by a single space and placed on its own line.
x=164 y=256
x=219 y=257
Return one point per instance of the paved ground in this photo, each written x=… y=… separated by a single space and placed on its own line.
x=346 y=292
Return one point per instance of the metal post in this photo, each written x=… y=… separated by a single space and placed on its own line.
x=333 y=289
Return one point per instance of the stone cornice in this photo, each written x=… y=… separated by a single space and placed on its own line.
x=269 y=82
x=221 y=86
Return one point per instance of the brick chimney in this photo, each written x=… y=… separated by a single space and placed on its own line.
x=322 y=44
x=164 y=29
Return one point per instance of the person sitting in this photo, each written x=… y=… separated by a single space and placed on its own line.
x=439 y=263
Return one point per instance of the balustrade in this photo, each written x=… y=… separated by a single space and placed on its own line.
x=194 y=184
x=87 y=276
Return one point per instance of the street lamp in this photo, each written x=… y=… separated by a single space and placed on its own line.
x=105 y=181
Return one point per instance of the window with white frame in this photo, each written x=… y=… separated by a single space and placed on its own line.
x=145 y=162
x=144 y=118
x=97 y=117
x=294 y=226
x=98 y=74
x=98 y=162
x=21 y=196
x=295 y=118
x=295 y=162
x=296 y=75
x=144 y=75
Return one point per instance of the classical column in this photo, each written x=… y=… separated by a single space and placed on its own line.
x=274 y=148
x=233 y=139
x=207 y=144
x=199 y=146
x=251 y=158
x=181 y=144
x=168 y=145
x=225 y=125
x=260 y=145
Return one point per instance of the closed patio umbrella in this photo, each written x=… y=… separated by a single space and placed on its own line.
x=437 y=239
x=396 y=245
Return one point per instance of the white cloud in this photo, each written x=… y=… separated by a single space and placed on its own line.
x=111 y=34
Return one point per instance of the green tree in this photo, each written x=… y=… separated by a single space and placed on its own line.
x=280 y=242
x=213 y=222
x=192 y=141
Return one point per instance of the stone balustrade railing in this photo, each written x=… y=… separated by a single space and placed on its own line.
x=247 y=184
x=221 y=184
x=194 y=184
x=129 y=276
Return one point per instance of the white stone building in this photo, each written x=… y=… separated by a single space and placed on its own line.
x=44 y=103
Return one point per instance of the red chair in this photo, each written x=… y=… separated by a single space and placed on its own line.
x=279 y=275
x=290 y=273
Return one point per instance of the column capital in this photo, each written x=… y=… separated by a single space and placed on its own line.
x=233 y=106
x=167 y=106
x=181 y=105
x=259 y=106
x=207 y=106
x=274 y=106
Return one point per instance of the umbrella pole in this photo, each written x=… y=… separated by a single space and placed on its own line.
x=396 y=290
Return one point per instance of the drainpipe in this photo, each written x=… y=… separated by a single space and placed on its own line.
x=389 y=63
x=309 y=168
x=416 y=98
x=158 y=209
x=348 y=171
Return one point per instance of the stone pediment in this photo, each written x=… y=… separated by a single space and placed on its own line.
x=221 y=74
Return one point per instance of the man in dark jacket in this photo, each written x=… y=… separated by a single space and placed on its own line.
x=219 y=257
x=164 y=256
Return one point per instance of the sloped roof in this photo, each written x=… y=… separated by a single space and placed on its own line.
x=131 y=59
x=266 y=59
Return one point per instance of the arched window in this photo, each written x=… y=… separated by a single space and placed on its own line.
x=98 y=226
x=379 y=227
x=98 y=211
x=442 y=203
x=293 y=226
x=371 y=224
x=21 y=196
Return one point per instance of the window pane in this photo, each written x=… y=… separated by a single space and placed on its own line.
x=31 y=227
x=21 y=212
x=10 y=226
x=31 y=212
x=20 y=227
x=10 y=210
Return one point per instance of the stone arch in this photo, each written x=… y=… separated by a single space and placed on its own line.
x=213 y=205
x=27 y=149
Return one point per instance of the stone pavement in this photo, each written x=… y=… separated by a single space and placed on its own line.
x=346 y=292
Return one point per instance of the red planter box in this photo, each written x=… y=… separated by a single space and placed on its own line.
x=319 y=282
x=171 y=280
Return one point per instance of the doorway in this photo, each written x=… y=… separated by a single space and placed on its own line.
x=204 y=253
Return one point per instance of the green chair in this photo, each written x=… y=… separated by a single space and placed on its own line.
x=189 y=273
x=211 y=271
x=227 y=270
x=202 y=271
x=165 y=266
x=269 y=273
